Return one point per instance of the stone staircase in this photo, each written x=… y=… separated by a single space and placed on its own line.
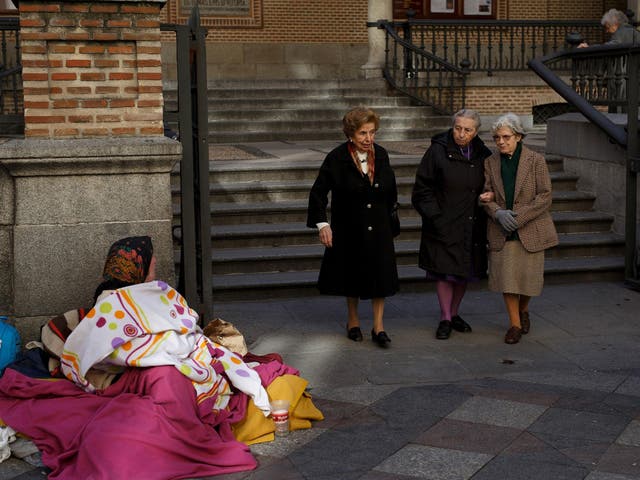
x=246 y=111
x=262 y=248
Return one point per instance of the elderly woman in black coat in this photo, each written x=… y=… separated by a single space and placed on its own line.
x=359 y=260
x=448 y=182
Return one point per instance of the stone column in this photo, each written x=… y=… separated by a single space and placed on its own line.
x=378 y=10
x=94 y=165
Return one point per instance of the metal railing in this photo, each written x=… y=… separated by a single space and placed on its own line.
x=11 y=97
x=494 y=45
x=427 y=79
x=195 y=274
x=606 y=76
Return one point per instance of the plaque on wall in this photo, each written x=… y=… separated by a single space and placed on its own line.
x=224 y=13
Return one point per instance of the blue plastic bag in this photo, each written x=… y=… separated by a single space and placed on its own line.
x=9 y=343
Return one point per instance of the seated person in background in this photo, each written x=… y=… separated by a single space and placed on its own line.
x=617 y=25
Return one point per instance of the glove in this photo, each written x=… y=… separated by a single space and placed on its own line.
x=507 y=220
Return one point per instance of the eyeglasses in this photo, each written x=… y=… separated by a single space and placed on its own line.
x=504 y=138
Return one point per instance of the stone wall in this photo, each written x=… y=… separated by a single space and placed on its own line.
x=600 y=164
x=94 y=165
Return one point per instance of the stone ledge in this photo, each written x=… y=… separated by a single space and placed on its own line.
x=45 y=157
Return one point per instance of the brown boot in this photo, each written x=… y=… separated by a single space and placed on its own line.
x=525 y=322
x=513 y=335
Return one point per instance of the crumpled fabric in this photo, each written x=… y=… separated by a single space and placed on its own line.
x=7 y=435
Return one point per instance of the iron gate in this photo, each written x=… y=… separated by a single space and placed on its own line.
x=191 y=118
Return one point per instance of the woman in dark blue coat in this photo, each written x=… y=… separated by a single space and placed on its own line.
x=359 y=260
x=453 y=247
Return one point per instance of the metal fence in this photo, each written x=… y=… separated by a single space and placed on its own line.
x=11 y=97
x=495 y=45
x=606 y=76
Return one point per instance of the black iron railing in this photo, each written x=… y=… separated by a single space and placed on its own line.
x=606 y=76
x=195 y=274
x=11 y=98
x=494 y=45
x=429 y=80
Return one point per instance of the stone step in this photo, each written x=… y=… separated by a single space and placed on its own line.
x=324 y=117
x=289 y=228
x=254 y=286
x=573 y=210
x=342 y=104
x=295 y=132
x=308 y=257
x=260 y=190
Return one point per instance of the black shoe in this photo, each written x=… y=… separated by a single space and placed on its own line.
x=444 y=330
x=459 y=325
x=354 y=333
x=381 y=338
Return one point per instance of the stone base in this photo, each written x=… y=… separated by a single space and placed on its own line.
x=70 y=200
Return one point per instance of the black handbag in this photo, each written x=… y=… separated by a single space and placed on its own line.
x=395 y=220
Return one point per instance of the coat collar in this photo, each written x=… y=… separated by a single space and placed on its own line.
x=525 y=165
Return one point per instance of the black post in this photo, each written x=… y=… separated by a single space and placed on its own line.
x=631 y=258
x=408 y=55
x=198 y=57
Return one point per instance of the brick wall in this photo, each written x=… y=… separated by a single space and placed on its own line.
x=283 y=21
x=91 y=69
x=496 y=101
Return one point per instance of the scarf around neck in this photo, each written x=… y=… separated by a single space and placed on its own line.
x=371 y=161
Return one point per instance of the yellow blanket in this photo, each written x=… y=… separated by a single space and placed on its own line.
x=256 y=428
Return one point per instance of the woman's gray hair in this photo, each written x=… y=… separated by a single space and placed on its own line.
x=510 y=121
x=614 y=17
x=466 y=113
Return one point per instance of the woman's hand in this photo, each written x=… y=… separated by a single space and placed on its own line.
x=487 y=197
x=326 y=236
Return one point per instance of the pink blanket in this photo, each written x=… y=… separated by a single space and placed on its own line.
x=146 y=426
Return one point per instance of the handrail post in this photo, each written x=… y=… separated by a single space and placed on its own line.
x=408 y=56
x=632 y=260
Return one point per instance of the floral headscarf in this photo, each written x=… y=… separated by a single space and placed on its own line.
x=127 y=263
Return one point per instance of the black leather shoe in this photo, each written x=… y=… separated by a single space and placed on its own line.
x=354 y=333
x=381 y=338
x=444 y=330
x=459 y=325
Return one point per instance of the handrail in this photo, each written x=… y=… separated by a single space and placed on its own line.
x=607 y=75
x=495 y=45
x=427 y=78
x=541 y=68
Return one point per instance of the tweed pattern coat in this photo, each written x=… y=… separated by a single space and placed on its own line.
x=532 y=201
x=362 y=261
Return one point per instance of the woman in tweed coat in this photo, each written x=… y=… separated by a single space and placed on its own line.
x=517 y=199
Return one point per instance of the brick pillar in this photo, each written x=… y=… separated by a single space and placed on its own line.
x=94 y=165
x=91 y=69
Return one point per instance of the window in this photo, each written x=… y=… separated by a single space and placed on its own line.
x=452 y=9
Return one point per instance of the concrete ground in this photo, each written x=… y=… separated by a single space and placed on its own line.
x=564 y=403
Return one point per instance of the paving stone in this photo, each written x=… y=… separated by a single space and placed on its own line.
x=434 y=463
x=502 y=413
x=409 y=406
x=13 y=468
x=621 y=459
x=514 y=395
x=631 y=386
x=532 y=448
x=363 y=394
x=607 y=476
x=631 y=435
x=577 y=424
x=506 y=467
x=572 y=378
x=283 y=446
x=468 y=436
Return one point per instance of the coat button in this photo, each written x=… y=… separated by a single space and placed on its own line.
x=376 y=185
x=369 y=228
